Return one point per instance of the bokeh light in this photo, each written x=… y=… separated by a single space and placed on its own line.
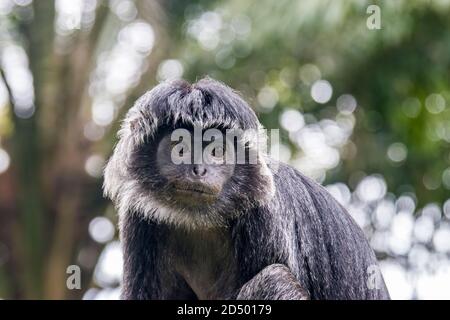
x=101 y=229
x=411 y=107
x=267 y=98
x=94 y=165
x=321 y=91
x=292 y=120
x=435 y=103
x=309 y=73
x=4 y=160
x=108 y=272
x=170 y=69
x=397 y=152
x=15 y=64
x=371 y=188
x=346 y=104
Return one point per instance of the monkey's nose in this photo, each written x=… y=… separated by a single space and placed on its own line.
x=199 y=170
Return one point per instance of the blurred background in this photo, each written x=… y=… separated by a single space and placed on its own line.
x=364 y=112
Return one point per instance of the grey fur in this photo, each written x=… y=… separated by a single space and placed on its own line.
x=274 y=282
x=170 y=103
x=272 y=233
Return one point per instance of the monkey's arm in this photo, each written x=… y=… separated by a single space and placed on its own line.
x=147 y=274
x=274 y=282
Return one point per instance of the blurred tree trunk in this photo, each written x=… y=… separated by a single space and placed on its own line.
x=47 y=184
x=26 y=143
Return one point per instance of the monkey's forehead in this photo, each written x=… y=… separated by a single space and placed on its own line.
x=206 y=104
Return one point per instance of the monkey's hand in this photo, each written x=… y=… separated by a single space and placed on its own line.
x=274 y=282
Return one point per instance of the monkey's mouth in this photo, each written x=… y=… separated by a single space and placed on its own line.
x=195 y=190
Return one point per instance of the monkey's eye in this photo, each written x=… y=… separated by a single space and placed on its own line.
x=218 y=152
x=179 y=147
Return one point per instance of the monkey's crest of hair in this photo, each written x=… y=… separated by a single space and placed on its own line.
x=205 y=104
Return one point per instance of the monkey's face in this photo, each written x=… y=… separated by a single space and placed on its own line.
x=186 y=182
x=189 y=172
x=195 y=172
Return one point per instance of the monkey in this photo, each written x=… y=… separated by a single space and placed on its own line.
x=257 y=230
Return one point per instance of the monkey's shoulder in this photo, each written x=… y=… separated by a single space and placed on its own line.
x=307 y=202
x=293 y=186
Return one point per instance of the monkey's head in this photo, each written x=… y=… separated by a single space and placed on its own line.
x=189 y=155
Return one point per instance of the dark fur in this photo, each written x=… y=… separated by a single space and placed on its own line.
x=273 y=234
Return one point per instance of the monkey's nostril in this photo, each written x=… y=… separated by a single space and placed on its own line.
x=199 y=170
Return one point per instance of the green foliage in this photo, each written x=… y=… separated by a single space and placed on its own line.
x=273 y=52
